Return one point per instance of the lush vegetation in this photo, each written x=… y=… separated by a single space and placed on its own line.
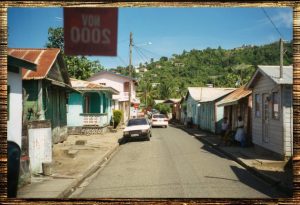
x=79 y=67
x=220 y=67
x=117 y=116
x=163 y=108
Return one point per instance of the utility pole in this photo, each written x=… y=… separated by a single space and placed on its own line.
x=130 y=64
x=281 y=59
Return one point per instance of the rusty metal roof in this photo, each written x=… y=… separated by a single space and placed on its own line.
x=235 y=96
x=44 y=58
x=82 y=85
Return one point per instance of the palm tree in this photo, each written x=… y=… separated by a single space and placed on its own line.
x=165 y=91
x=182 y=89
x=147 y=93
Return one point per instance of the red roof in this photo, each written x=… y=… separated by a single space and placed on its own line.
x=44 y=58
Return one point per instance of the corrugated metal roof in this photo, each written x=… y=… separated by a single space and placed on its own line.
x=44 y=58
x=112 y=73
x=235 y=96
x=85 y=85
x=206 y=94
x=273 y=72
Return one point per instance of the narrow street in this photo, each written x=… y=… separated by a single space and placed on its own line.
x=173 y=164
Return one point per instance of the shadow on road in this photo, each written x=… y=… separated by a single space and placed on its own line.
x=243 y=176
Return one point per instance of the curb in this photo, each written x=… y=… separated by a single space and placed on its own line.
x=253 y=170
x=67 y=191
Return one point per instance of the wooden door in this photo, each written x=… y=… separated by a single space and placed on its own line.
x=265 y=118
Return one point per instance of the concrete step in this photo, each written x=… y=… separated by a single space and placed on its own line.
x=72 y=153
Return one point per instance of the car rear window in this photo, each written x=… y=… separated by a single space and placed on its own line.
x=134 y=122
x=159 y=116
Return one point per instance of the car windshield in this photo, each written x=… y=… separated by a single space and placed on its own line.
x=134 y=122
x=159 y=116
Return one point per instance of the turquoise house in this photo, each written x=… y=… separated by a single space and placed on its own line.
x=90 y=109
x=202 y=108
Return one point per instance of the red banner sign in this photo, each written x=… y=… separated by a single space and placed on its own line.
x=91 y=31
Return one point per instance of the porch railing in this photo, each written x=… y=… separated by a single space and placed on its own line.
x=95 y=119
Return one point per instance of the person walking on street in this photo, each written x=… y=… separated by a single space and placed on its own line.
x=240 y=134
x=224 y=131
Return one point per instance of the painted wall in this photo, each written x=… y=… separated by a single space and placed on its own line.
x=14 y=123
x=287 y=110
x=276 y=127
x=192 y=110
x=74 y=110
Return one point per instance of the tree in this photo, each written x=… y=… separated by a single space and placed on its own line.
x=165 y=90
x=147 y=93
x=78 y=67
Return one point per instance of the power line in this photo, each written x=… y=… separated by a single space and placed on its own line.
x=147 y=59
x=265 y=12
x=121 y=59
x=140 y=56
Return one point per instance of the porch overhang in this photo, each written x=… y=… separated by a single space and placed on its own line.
x=63 y=85
x=227 y=103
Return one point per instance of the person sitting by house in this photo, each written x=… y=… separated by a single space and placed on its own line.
x=224 y=132
x=240 y=134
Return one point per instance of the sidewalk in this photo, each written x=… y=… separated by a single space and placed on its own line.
x=72 y=163
x=262 y=164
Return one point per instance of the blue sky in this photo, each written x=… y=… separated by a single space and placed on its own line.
x=170 y=30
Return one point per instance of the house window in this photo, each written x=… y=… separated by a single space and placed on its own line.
x=275 y=105
x=126 y=87
x=257 y=105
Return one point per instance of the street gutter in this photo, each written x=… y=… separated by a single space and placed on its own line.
x=91 y=170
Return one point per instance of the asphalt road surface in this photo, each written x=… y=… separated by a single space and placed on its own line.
x=173 y=164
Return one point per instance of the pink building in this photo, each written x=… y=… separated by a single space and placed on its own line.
x=120 y=83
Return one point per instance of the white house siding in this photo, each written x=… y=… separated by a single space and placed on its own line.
x=287 y=111
x=14 y=124
x=275 y=128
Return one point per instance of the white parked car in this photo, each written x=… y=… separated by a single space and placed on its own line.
x=160 y=120
x=137 y=128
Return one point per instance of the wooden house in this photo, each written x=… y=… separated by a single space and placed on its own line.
x=209 y=114
x=202 y=108
x=272 y=113
x=175 y=106
x=91 y=109
x=238 y=103
x=122 y=84
x=46 y=89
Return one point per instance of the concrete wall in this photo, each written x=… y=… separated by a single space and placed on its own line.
x=14 y=123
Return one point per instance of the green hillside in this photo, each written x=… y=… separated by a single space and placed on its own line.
x=220 y=67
